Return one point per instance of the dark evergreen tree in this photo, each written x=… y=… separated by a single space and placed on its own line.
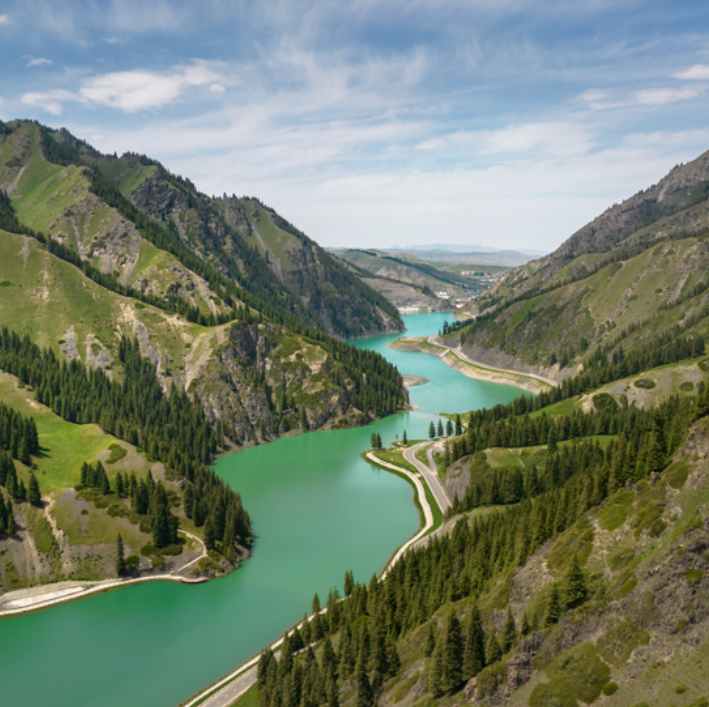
x=33 y=495
x=120 y=560
x=432 y=430
x=553 y=608
x=474 y=650
x=575 y=588
x=452 y=654
x=509 y=633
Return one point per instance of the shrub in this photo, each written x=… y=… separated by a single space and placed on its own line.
x=132 y=561
x=644 y=383
x=611 y=688
x=148 y=550
x=604 y=401
x=681 y=689
x=686 y=386
x=117 y=453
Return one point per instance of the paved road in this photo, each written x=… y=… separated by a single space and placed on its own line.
x=430 y=474
x=231 y=692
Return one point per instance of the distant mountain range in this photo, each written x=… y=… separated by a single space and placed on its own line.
x=462 y=248
x=446 y=254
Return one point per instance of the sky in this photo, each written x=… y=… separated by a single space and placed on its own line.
x=506 y=123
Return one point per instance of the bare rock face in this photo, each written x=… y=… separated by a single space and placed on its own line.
x=245 y=376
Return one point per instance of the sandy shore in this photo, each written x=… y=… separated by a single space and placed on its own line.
x=472 y=369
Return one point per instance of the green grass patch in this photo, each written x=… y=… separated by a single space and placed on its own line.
x=577 y=674
x=686 y=387
x=649 y=509
x=677 y=473
x=644 y=384
x=610 y=689
x=614 y=511
x=628 y=587
x=117 y=453
x=578 y=539
x=693 y=576
x=616 y=645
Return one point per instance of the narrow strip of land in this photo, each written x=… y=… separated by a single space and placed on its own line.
x=42 y=598
x=433 y=340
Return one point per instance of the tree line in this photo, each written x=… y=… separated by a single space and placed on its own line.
x=358 y=636
x=169 y=427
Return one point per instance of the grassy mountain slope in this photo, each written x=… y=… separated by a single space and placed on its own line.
x=268 y=252
x=573 y=570
x=628 y=276
x=56 y=199
x=405 y=268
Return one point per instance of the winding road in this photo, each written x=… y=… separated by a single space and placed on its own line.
x=230 y=688
x=429 y=473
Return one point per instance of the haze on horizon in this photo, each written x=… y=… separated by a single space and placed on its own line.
x=501 y=124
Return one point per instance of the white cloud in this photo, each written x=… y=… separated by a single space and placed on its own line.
x=604 y=100
x=114 y=40
x=129 y=91
x=661 y=96
x=435 y=143
x=39 y=61
x=217 y=88
x=4 y=20
x=50 y=101
x=698 y=72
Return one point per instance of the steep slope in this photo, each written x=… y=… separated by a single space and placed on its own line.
x=626 y=278
x=573 y=570
x=256 y=247
x=407 y=269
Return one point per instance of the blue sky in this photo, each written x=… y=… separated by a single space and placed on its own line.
x=507 y=124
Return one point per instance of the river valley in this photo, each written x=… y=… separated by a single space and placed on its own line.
x=318 y=509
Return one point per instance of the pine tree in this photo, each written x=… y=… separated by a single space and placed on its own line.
x=458 y=426
x=435 y=673
x=474 y=651
x=11 y=524
x=553 y=609
x=349 y=583
x=430 y=644
x=509 y=633
x=431 y=430
x=365 y=696
x=404 y=440
x=449 y=428
x=552 y=446
x=120 y=560
x=575 y=588
x=452 y=654
x=525 y=625
x=439 y=429
x=494 y=650
x=33 y=495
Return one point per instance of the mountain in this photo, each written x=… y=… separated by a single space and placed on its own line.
x=510 y=258
x=192 y=344
x=460 y=248
x=631 y=275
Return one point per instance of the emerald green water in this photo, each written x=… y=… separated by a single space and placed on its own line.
x=317 y=509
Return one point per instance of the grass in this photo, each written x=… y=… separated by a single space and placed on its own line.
x=616 y=645
x=614 y=512
x=64 y=445
x=577 y=674
x=396 y=457
x=249 y=699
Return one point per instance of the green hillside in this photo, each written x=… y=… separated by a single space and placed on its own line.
x=93 y=289
x=408 y=269
x=625 y=280
x=573 y=569
x=255 y=247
